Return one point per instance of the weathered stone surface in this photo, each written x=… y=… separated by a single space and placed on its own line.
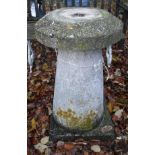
x=78 y=94
x=79 y=34
x=104 y=131
x=78 y=29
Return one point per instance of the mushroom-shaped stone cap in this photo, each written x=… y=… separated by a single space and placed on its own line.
x=78 y=29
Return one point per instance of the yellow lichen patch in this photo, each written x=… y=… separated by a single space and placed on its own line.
x=71 y=26
x=74 y=121
x=82 y=46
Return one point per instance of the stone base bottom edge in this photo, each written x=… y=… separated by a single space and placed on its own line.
x=105 y=130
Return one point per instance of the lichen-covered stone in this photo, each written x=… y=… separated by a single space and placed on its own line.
x=59 y=133
x=78 y=95
x=79 y=34
x=78 y=122
x=78 y=29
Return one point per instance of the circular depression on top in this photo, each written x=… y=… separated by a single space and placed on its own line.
x=76 y=14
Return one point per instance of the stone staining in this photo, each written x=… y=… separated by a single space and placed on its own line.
x=79 y=34
x=77 y=121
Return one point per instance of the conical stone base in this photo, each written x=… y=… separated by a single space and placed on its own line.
x=105 y=131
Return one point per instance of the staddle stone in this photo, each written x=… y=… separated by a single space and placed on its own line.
x=79 y=29
x=79 y=34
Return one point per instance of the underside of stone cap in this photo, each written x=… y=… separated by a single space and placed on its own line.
x=78 y=28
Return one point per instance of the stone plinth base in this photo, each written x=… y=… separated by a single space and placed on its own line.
x=105 y=131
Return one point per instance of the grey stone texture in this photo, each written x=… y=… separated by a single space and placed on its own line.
x=79 y=34
x=78 y=29
x=104 y=130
